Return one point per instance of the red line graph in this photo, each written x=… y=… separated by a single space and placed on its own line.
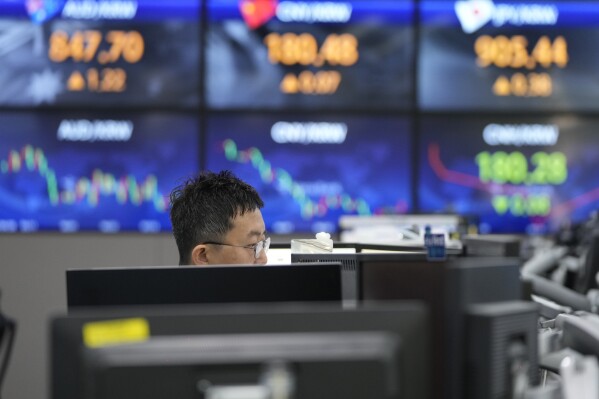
x=463 y=179
x=577 y=202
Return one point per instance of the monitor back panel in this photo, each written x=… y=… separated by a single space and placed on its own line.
x=408 y=320
x=207 y=284
x=448 y=287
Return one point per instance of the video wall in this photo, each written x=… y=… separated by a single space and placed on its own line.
x=310 y=170
x=513 y=173
x=86 y=171
x=478 y=107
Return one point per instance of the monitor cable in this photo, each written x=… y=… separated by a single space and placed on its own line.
x=7 y=336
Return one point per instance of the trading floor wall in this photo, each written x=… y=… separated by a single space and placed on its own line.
x=33 y=283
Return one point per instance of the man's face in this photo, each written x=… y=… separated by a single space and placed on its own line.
x=248 y=229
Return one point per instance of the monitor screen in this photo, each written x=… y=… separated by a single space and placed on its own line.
x=294 y=365
x=311 y=170
x=70 y=335
x=508 y=55
x=100 y=53
x=206 y=284
x=517 y=174
x=340 y=54
x=106 y=172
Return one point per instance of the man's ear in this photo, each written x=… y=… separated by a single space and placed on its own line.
x=198 y=255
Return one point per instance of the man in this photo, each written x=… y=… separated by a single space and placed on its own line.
x=216 y=219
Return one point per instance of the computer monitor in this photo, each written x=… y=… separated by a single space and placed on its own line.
x=207 y=284
x=448 y=287
x=295 y=365
x=74 y=336
x=350 y=263
x=501 y=349
x=349 y=267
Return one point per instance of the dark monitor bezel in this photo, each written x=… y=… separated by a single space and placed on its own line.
x=410 y=320
x=313 y=364
x=131 y=286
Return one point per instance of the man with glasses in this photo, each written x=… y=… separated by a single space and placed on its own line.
x=216 y=219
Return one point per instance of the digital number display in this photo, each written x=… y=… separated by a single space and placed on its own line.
x=292 y=49
x=512 y=52
x=82 y=46
x=310 y=171
x=507 y=55
x=513 y=167
x=101 y=53
x=504 y=52
x=78 y=172
x=516 y=174
x=311 y=54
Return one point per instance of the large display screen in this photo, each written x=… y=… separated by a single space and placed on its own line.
x=79 y=173
x=332 y=54
x=525 y=174
x=508 y=55
x=100 y=53
x=320 y=104
x=310 y=171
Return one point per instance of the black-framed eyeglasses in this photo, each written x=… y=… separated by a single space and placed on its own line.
x=257 y=247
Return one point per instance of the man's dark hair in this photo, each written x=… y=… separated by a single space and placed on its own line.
x=203 y=208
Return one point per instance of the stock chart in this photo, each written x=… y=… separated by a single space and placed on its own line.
x=517 y=174
x=75 y=173
x=309 y=171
